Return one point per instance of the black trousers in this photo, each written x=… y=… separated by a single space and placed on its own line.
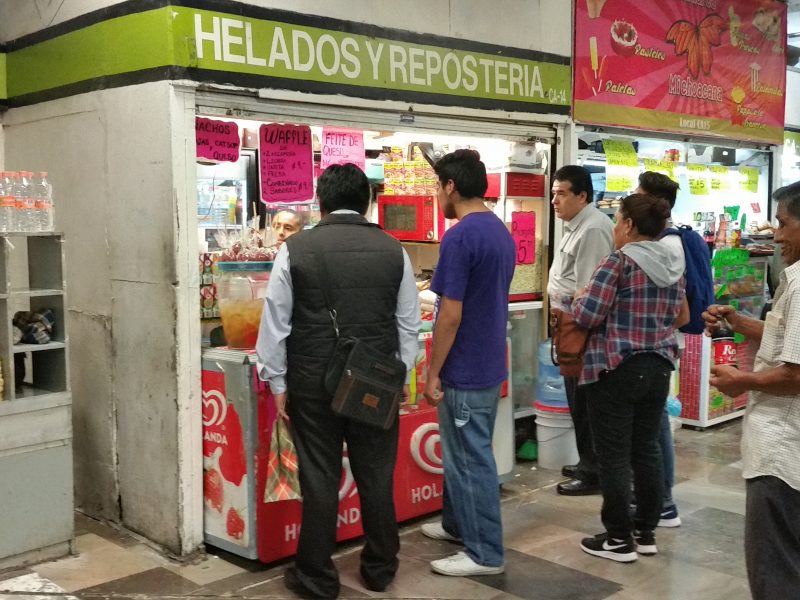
x=372 y=453
x=579 y=410
x=772 y=539
x=626 y=411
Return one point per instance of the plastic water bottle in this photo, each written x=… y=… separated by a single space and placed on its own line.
x=42 y=193
x=8 y=214
x=24 y=202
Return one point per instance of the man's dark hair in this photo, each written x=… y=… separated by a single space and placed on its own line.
x=465 y=169
x=789 y=196
x=659 y=185
x=579 y=178
x=343 y=187
x=648 y=213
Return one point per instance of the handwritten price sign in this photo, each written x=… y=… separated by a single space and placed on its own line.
x=216 y=140
x=287 y=160
x=523 y=230
x=340 y=146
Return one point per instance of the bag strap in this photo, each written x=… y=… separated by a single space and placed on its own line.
x=321 y=266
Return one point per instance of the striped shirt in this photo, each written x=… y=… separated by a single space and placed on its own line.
x=771 y=429
x=626 y=317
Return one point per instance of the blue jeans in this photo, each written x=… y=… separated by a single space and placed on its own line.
x=471 y=502
x=668 y=460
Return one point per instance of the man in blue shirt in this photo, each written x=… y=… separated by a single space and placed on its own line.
x=468 y=364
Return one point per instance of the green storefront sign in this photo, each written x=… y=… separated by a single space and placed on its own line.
x=264 y=48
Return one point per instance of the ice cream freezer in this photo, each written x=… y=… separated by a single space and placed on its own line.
x=238 y=414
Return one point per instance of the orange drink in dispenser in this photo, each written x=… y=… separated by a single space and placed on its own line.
x=241 y=289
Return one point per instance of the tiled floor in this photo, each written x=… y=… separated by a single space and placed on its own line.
x=701 y=559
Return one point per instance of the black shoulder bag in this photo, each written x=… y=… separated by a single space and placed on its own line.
x=366 y=383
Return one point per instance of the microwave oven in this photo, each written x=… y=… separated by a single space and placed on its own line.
x=412 y=218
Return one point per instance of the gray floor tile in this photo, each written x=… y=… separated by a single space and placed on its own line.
x=158 y=581
x=708 y=537
x=530 y=577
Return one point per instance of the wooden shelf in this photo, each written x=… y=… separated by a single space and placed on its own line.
x=31 y=399
x=20 y=348
x=30 y=292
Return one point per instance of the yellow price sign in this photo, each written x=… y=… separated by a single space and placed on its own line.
x=620 y=153
x=698 y=180
x=619 y=182
x=720 y=178
x=749 y=182
x=665 y=167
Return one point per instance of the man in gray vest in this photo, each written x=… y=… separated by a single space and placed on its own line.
x=375 y=296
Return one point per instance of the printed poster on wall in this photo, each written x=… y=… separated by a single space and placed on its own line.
x=340 y=146
x=703 y=67
x=217 y=140
x=287 y=161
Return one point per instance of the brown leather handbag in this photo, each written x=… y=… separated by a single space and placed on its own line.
x=569 y=338
x=568 y=344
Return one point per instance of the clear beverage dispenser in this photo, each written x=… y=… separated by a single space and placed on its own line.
x=241 y=288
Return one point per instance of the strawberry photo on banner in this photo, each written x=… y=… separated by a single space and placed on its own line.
x=702 y=67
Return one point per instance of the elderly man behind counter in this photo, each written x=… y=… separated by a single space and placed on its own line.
x=771 y=428
x=285 y=224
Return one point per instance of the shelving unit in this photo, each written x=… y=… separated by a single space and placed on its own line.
x=36 y=519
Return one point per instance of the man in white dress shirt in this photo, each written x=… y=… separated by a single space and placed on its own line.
x=771 y=429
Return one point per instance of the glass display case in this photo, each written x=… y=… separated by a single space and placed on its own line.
x=525 y=323
x=226 y=197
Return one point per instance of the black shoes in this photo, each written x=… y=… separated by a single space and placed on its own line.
x=375 y=585
x=576 y=487
x=569 y=471
x=293 y=584
x=645 y=543
x=611 y=548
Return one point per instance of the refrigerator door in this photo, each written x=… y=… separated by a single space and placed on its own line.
x=525 y=319
x=229 y=436
x=225 y=193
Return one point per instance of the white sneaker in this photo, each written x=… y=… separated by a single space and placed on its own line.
x=435 y=531
x=461 y=565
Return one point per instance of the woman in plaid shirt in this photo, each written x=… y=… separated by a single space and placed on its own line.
x=632 y=305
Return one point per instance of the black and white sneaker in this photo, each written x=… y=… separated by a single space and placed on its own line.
x=611 y=548
x=645 y=543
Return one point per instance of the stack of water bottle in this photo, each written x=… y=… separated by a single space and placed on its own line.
x=26 y=202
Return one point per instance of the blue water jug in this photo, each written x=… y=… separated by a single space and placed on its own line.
x=550 y=386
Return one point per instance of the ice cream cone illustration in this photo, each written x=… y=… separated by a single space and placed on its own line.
x=595 y=7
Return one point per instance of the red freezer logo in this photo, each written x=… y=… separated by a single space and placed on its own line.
x=423 y=447
x=215 y=408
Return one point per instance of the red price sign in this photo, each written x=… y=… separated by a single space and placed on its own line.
x=523 y=230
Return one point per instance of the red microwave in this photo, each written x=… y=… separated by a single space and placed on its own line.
x=412 y=218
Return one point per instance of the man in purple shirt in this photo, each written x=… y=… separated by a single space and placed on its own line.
x=468 y=365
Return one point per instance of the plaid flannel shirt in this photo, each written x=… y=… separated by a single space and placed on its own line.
x=628 y=317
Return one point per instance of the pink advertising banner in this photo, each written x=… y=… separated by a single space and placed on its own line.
x=287 y=160
x=699 y=67
x=217 y=140
x=340 y=146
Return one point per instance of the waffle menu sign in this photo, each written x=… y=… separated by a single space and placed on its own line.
x=702 y=67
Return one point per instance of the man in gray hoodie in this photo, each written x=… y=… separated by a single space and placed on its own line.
x=632 y=305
